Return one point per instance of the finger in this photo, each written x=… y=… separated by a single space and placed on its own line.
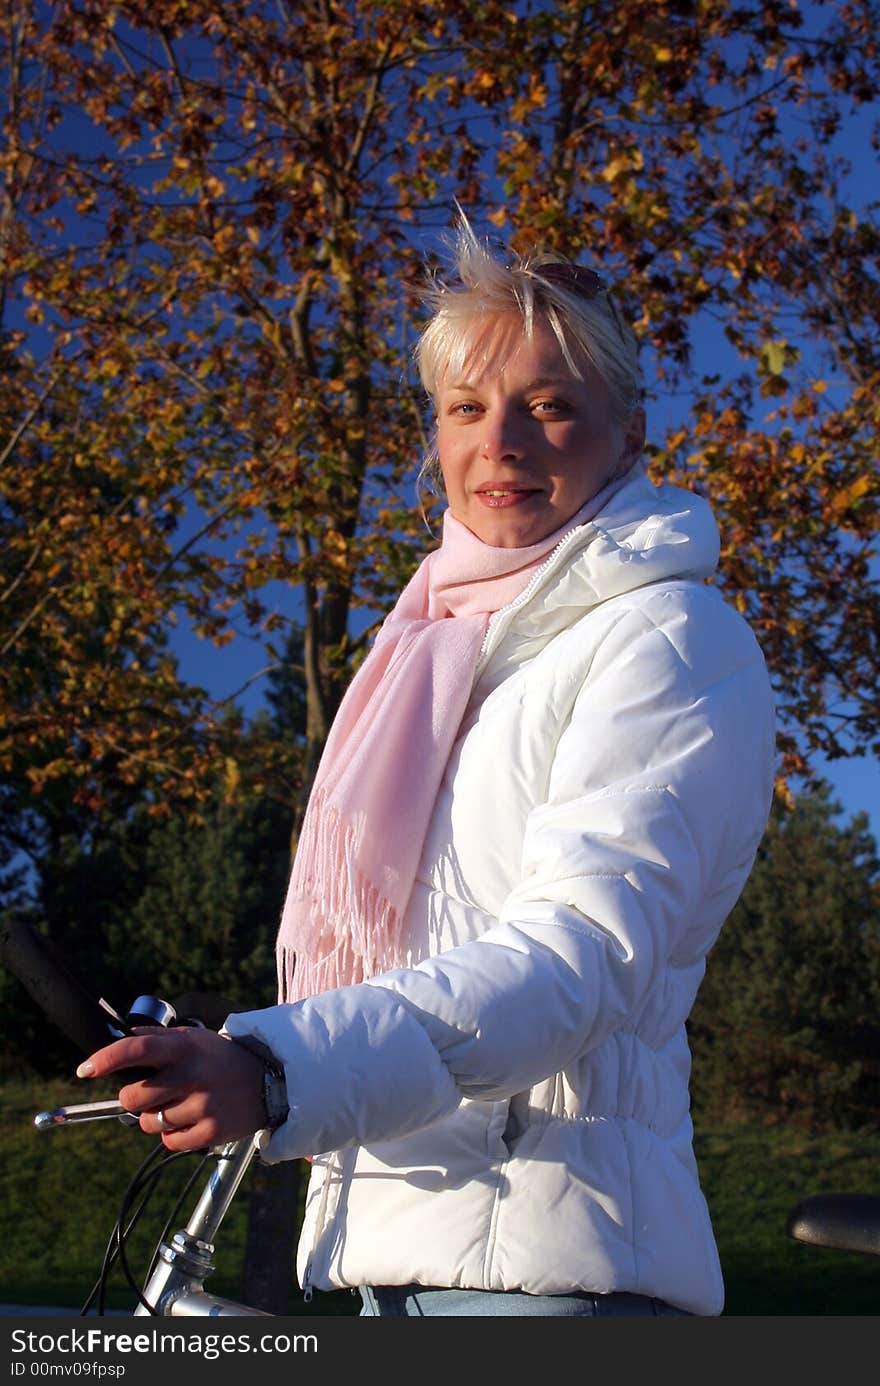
x=162 y=1122
x=148 y=1096
x=164 y=1109
x=150 y=1050
x=200 y=1136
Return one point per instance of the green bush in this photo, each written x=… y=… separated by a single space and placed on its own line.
x=786 y=1026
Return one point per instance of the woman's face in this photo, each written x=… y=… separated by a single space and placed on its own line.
x=523 y=443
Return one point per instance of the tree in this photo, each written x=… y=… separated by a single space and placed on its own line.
x=787 y=1022
x=212 y=220
x=214 y=215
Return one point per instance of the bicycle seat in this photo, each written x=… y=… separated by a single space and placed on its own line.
x=840 y=1221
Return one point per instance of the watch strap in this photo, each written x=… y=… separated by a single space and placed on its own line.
x=274 y=1083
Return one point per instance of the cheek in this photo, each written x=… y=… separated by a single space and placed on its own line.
x=451 y=462
x=585 y=470
x=590 y=449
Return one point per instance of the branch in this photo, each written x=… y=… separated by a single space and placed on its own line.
x=261 y=673
x=35 y=553
x=206 y=528
x=173 y=64
x=126 y=754
x=120 y=53
x=311 y=634
x=23 y=625
x=299 y=327
x=29 y=418
x=360 y=642
x=372 y=97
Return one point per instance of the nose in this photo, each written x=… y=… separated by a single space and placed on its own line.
x=503 y=435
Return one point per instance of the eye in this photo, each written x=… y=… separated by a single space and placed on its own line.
x=549 y=408
x=464 y=408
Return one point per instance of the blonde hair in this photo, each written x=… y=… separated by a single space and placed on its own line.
x=571 y=299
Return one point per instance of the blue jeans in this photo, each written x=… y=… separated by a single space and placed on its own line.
x=423 y=1301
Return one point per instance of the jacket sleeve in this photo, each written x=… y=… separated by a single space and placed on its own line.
x=656 y=801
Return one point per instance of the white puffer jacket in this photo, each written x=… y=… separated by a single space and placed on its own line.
x=512 y=1112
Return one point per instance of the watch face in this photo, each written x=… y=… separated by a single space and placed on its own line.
x=275 y=1098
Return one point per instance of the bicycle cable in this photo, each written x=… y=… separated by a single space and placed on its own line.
x=144 y=1180
x=142 y=1185
x=151 y=1181
x=111 y=1250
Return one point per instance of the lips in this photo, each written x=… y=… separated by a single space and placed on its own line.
x=497 y=497
x=500 y=488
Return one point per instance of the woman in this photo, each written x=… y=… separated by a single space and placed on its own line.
x=540 y=799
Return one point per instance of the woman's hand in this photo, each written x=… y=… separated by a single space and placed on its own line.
x=206 y=1089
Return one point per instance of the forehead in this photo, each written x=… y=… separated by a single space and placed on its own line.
x=501 y=347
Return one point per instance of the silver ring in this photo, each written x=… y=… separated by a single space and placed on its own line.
x=163 y=1124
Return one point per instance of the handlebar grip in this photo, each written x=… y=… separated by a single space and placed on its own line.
x=88 y=1023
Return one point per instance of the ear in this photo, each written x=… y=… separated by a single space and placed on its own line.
x=633 y=440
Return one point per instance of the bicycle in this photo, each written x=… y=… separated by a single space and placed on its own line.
x=183 y=1261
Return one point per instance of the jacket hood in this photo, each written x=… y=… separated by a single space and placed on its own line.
x=644 y=535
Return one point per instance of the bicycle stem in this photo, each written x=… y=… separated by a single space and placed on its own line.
x=186 y=1262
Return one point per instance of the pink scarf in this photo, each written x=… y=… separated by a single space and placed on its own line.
x=377 y=782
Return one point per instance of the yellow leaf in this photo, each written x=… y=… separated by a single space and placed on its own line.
x=774 y=356
x=627 y=162
x=850 y=494
x=615 y=168
x=272 y=330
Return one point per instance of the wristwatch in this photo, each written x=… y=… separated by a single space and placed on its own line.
x=275 y=1095
x=274 y=1085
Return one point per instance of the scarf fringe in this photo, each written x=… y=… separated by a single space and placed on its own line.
x=346 y=929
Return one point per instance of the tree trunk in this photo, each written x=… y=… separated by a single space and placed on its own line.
x=268 y=1276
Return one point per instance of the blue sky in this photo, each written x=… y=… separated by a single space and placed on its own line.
x=856 y=785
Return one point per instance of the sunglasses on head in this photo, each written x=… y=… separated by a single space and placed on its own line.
x=576 y=278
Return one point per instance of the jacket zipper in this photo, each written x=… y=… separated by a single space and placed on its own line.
x=307 y=1288
x=504 y=615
